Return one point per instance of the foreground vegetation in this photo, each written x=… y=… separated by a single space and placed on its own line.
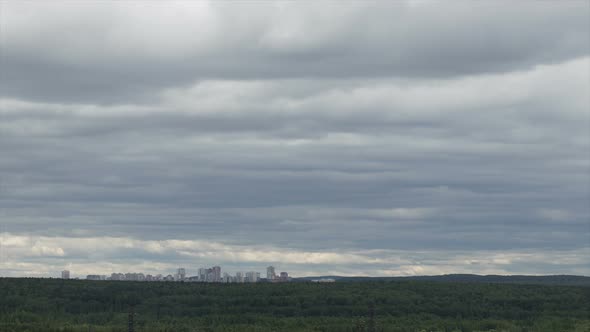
x=76 y=305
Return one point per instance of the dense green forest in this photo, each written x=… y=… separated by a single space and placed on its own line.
x=77 y=305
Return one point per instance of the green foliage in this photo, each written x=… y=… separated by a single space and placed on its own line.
x=103 y=306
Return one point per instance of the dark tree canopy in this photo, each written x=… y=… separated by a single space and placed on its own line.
x=75 y=305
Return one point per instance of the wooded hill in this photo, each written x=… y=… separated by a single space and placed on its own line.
x=563 y=280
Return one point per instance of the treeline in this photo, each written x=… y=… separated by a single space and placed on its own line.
x=75 y=305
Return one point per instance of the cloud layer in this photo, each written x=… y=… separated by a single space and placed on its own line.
x=360 y=138
x=99 y=255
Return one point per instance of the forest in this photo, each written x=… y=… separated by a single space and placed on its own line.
x=100 y=306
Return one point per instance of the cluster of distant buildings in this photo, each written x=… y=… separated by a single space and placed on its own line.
x=212 y=274
x=271 y=276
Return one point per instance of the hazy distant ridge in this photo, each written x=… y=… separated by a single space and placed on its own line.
x=566 y=280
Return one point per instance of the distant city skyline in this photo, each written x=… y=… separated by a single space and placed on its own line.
x=382 y=138
x=208 y=275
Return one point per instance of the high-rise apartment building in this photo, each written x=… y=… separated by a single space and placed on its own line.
x=202 y=274
x=270 y=273
x=252 y=276
x=180 y=274
x=65 y=274
x=216 y=272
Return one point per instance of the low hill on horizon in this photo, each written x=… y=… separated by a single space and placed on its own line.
x=565 y=280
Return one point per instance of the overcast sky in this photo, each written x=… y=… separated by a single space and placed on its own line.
x=353 y=138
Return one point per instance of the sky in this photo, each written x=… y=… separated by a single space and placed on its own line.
x=384 y=138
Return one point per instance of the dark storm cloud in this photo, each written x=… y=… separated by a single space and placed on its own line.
x=394 y=138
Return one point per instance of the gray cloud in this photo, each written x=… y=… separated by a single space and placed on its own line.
x=101 y=52
x=368 y=139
